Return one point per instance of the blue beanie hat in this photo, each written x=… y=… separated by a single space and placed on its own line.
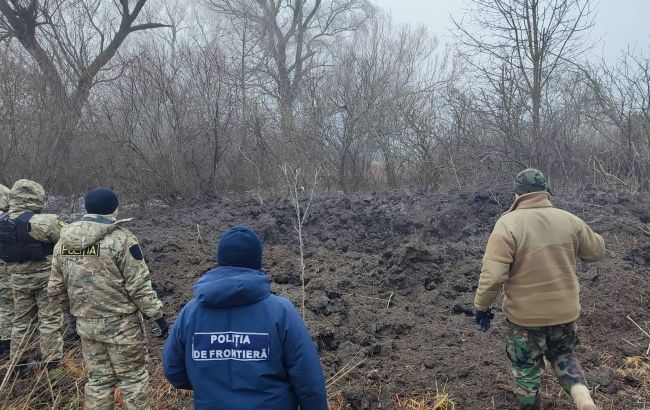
x=101 y=201
x=241 y=247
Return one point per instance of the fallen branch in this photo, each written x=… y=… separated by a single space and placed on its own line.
x=607 y=175
x=637 y=325
x=345 y=370
x=378 y=299
x=647 y=352
x=646 y=232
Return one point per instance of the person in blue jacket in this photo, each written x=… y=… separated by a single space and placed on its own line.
x=236 y=345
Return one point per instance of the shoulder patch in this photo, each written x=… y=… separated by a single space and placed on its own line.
x=136 y=252
x=92 y=250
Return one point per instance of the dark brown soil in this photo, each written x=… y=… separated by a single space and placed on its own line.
x=391 y=279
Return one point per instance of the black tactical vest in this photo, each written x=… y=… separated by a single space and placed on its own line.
x=16 y=245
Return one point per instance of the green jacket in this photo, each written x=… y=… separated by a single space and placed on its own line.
x=532 y=255
x=98 y=271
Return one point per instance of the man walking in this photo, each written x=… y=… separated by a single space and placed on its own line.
x=237 y=345
x=532 y=254
x=27 y=237
x=99 y=275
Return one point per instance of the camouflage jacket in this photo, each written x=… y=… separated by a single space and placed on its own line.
x=29 y=196
x=4 y=198
x=98 y=271
x=532 y=255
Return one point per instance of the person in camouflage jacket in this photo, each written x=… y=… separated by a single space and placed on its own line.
x=6 y=294
x=99 y=275
x=4 y=198
x=531 y=255
x=32 y=308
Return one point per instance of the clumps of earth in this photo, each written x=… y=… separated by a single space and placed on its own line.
x=390 y=283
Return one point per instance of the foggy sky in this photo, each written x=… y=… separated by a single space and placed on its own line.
x=619 y=23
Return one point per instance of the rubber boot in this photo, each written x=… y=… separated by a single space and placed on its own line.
x=582 y=397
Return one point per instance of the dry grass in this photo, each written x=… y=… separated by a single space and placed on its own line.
x=163 y=394
x=440 y=400
x=429 y=401
x=40 y=392
x=636 y=374
x=336 y=402
x=637 y=367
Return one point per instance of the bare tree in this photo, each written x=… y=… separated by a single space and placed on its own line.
x=301 y=211
x=377 y=81
x=293 y=33
x=245 y=43
x=71 y=42
x=216 y=102
x=531 y=39
x=621 y=93
x=56 y=43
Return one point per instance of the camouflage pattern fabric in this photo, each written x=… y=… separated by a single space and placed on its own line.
x=34 y=317
x=5 y=194
x=6 y=303
x=98 y=271
x=527 y=348
x=6 y=294
x=100 y=276
x=115 y=352
x=529 y=180
x=29 y=196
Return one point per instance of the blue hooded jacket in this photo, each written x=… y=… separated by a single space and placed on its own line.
x=239 y=347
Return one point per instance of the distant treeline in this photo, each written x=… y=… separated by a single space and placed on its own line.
x=174 y=98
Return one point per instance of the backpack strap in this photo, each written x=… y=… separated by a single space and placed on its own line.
x=23 y=227
x=25 y=217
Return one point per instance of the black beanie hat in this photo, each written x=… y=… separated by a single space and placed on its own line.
x=101 y=201
x=241 y=247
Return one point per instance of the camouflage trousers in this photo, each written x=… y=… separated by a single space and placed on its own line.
x=527 y=348
x=115 y=352
x=35 y=319
x=6 y=304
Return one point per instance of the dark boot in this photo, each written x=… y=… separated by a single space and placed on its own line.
x=4 y=348
x=53 y=365
x=55 y=371
x=23 y=369
x=70 y=332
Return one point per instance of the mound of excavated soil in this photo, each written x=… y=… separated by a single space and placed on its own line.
x=390 y=283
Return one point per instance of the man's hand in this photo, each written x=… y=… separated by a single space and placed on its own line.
x=483 y=319
x=163 y=328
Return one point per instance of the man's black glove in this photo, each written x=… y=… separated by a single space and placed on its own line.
x=483 y=319
x=163 y=328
